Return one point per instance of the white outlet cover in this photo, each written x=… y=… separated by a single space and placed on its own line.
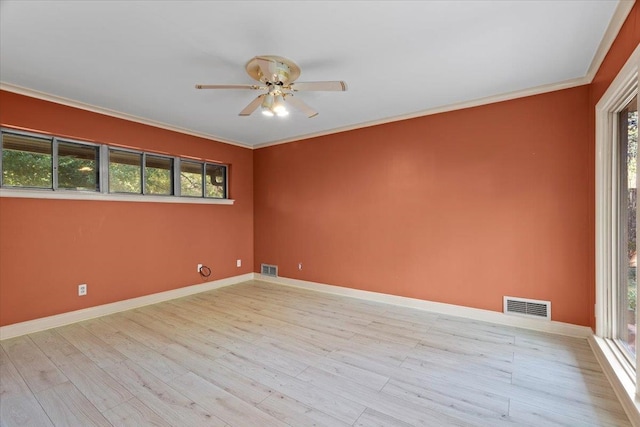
x=239 y=263
x=82 y=290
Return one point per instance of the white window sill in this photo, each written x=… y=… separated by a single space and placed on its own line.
x=108 y=197
x=619 y=376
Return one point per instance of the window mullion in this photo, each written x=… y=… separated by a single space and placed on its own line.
x=143 y=173
x=204 y=179
x=1 y=157
x=104 y=169
x=176 y=177
x=54 y=164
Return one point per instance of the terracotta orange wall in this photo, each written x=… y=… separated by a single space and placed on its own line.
x=622 y=48
x=462 y=207
x=120 y=249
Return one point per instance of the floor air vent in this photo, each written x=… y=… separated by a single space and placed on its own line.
x=527 y=307
x=269 y=270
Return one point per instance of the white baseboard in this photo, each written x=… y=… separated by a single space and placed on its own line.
x=623 y=385
x=41 y=324
x=49 y=322
x=553 y=327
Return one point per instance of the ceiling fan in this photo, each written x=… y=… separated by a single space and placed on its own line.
x=277 y=76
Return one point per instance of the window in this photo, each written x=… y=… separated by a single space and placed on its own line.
x=616 y=219
x=31 y=161
x=193 y=182
x=627 y=195
x=26 y=161
x=78 y=166
x=158 y=175
x=125 y=172
x=215 y=184
x=190 y=179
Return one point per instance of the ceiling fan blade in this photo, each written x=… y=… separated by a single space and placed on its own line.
x=320 y=86
x=300 y=105
x=227 y=87
x=253 y=105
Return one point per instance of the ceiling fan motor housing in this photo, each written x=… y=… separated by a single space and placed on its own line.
x=281 y=70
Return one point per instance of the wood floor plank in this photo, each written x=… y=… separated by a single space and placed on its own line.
x=226 y=406
x=172 y=406
x=98 y=387
x=18 y=406
x=389 y=405
x=212 y=371
x=530 y=415
x=296 y=413
x=101 y=353
x=371 y=418
x=326 y=401
x=134 y=413
x=67 y=406
x=264 y=354
x=151 y=360
x=35 y=367
x=457 y=405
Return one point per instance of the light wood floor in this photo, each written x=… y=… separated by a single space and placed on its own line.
x=259 y=354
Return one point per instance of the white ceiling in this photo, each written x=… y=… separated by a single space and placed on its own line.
x=143 y=58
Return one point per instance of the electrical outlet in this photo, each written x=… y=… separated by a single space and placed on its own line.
x=299 y=266
x=239 y=263
x=199 y=267
x=82 y=290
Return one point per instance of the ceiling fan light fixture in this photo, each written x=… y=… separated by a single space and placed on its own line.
x=267 y=105
x=278 y=106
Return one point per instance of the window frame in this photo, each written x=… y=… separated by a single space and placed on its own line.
x=111 y=149
x=27 y=134
x=55 y=155
x=226 y=180
x=202 y=178
x=608 y=219
x=102 y=163
x=55 y=144
x=172 y=170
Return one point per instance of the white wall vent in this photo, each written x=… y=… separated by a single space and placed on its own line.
x=269 y=270
x=527 y=307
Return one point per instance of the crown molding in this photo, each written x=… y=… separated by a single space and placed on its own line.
x=567 y=84
x=443 y=109
x=617 y=20
x=112 y=113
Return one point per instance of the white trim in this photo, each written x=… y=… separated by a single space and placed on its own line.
x=620 y=381
x=542 y=325
x=437 y=110
x=614 y=364
x=611 y=102
x=49 y=322
x=112 y=113
x=108 y=197
x=568 y=84
x=617 y=20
